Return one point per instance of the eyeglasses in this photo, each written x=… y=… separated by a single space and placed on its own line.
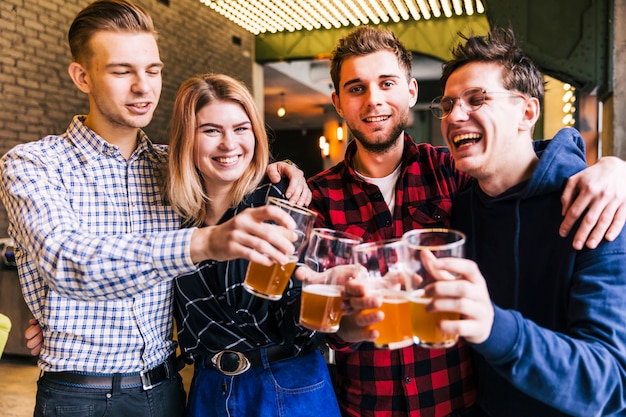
x=471 y=100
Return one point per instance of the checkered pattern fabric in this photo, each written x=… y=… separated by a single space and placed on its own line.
x=96 y=249
x=214 y=312
x=412 y=381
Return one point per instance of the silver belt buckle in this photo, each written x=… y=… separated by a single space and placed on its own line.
x=243 y=366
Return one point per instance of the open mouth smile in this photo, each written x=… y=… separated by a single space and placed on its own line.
x=466 y=139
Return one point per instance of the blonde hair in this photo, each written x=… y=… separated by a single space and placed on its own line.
x=186 y=191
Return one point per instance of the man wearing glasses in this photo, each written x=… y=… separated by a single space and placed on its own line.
x=547 y=322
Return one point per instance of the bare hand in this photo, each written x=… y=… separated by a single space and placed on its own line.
x=601 y=191
x=467 y=295
x=34 y=337
x=298 y=191
x=355 y=327
x=247 y=235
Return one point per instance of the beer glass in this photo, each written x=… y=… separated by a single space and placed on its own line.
x=442 y=243
x=270 y=281
x=387 y=275
x=328 y=256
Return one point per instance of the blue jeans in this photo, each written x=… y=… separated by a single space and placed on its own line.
x=60 y=400
x=297 y=387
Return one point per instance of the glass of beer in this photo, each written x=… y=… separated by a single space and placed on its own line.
x=442 y=243
x=329 y=258
x=270 y=281
x=387 y=275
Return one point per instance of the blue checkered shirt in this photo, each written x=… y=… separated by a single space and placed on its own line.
x=96 y=249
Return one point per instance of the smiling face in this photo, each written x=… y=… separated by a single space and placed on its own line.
x=123 y=80
x=375 y=98
x=224 y=144
x=490 y=141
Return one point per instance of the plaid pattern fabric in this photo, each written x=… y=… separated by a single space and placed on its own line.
x=96 y=248
x=411 y=381
x=214 y=312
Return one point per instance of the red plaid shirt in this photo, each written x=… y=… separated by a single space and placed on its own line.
x=412 y=381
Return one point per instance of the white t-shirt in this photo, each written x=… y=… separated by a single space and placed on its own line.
x=387 y=186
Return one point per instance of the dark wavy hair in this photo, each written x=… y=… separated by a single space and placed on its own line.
x=499 y=46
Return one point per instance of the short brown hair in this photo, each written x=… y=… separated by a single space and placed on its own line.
x=111 y=15
x=186 y=190
x=365 y=40
x=498 y=46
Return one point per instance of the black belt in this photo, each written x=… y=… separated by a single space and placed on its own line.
x=230 y=362
x=147 y=379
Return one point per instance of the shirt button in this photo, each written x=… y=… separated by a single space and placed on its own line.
x=387 y=223
x=407 y=380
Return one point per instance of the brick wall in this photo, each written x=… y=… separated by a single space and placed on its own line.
x=38 y=98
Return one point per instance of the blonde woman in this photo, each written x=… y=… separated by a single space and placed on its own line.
x=218 y=156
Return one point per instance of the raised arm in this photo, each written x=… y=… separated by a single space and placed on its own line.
x=297 y=192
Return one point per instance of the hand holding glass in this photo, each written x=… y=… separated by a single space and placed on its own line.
x=270 y=281
x=442 y=243
x=328 y=256
x=388 y=276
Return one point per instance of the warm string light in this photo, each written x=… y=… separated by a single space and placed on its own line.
x=282 y=111
x=340 y=134
x=324 y=146
x=261 y=16
x=569 y=110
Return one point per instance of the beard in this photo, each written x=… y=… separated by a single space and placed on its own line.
x=379 y=144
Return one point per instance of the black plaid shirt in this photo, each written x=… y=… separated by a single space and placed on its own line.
x=214 y=312
x=412 y=381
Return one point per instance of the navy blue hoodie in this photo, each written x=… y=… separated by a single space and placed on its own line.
x=558 y=343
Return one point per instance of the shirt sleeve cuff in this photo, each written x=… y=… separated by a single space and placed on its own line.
x=503 y=338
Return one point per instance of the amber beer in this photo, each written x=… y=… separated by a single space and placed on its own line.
x=424 y=323
x=395 y=329
x=269 y=281
x=320 y=308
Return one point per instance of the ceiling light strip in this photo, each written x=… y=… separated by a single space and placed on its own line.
x=447 y=9
x=458 y=10
x=338 y=19
x=316 y=15
x=480 y=8
x=299 y=14
x=390 y=11
x=415 y=14
x=259 y=16
x=323 y=13
x=365 y=6
x=434 y=8
x=343 y=8
x=286 y=20
x=379 y=11
x=219 y=9
x=358 y=12
x=400 y=7
x=424 y=9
